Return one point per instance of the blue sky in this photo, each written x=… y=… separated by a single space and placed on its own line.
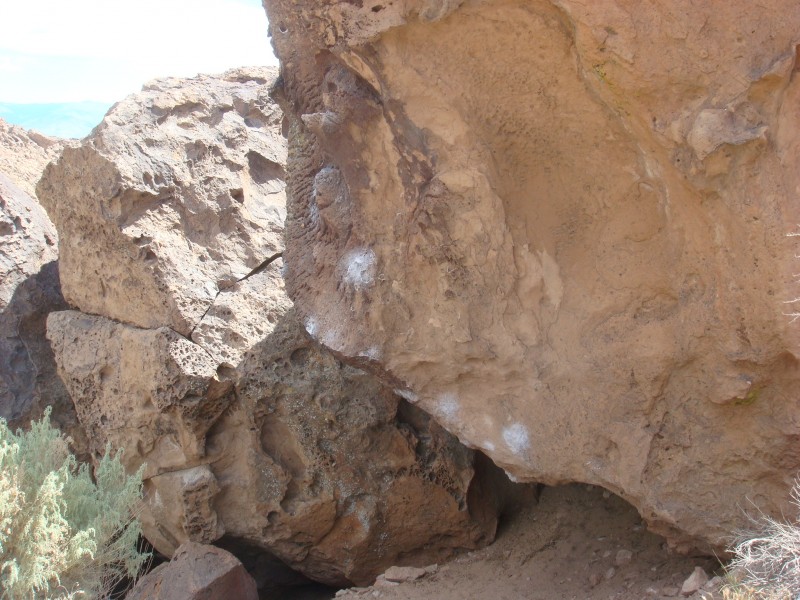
x=56 y=51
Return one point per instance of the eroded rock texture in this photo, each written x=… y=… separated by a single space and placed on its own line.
x=175 y=196
x=561 y=229
x=28 y=239
x=196 y=365
x=24 y=153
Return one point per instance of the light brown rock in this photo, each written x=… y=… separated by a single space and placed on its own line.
x=174 y=197
x=694 y=582
x=403 y=574
x=251 y=433
x=561 y=225
x=305 y=458
x=24 y=154
x=197 y=572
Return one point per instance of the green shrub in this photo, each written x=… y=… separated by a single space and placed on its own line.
x=61 y=534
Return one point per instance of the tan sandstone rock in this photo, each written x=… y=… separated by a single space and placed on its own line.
x=561 y=229
x=251 y=433
x=182 y=187
x=24 y=153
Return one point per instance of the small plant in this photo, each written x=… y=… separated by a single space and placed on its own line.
x=767 y=565
x=63 y=535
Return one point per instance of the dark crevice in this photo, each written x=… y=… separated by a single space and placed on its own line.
x=275 y=580
x=256 y=271
x=261 y=267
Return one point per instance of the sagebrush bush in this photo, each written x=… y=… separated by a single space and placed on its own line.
x=767 y=563
x=63 y=535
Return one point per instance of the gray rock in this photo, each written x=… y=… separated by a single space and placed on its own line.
x=403 y=574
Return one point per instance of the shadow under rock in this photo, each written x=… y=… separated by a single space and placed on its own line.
x=29 y=380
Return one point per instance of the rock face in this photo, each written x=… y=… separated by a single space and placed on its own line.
x=561 y=229
x=25 y=153
x=189 y=356
x=29 y=289
x=28 y=238
x=197 y=572
x=183 y=187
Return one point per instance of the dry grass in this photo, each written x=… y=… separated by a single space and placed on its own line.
x=767 y=565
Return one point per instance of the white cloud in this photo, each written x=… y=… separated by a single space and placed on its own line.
x=57 y=51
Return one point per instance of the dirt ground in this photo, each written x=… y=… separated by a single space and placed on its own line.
x=565 y=547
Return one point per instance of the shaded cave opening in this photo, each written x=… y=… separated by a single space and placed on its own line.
x=274 y=579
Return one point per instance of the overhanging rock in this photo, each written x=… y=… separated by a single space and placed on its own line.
x=561 y=229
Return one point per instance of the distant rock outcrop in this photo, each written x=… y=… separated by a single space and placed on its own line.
x=561 y=229
x=187 y=353
x=24 y=154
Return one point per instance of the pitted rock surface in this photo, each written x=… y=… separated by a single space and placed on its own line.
x=27 y=238
x=249 y=430
x=24 y=154
x=561 y=229
x=315 y=462
x=175 y=196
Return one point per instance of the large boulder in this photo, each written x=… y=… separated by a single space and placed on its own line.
x=176 y=195
x=188 y=355
x=561 y=229
x=312 y=461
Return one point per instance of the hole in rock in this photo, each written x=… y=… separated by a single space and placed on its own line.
x=300 y=357
x=105 y=374
x=275 y=579
x=226 y=372
x=570 y=541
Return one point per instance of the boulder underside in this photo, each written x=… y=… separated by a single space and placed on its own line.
x=561 y=228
